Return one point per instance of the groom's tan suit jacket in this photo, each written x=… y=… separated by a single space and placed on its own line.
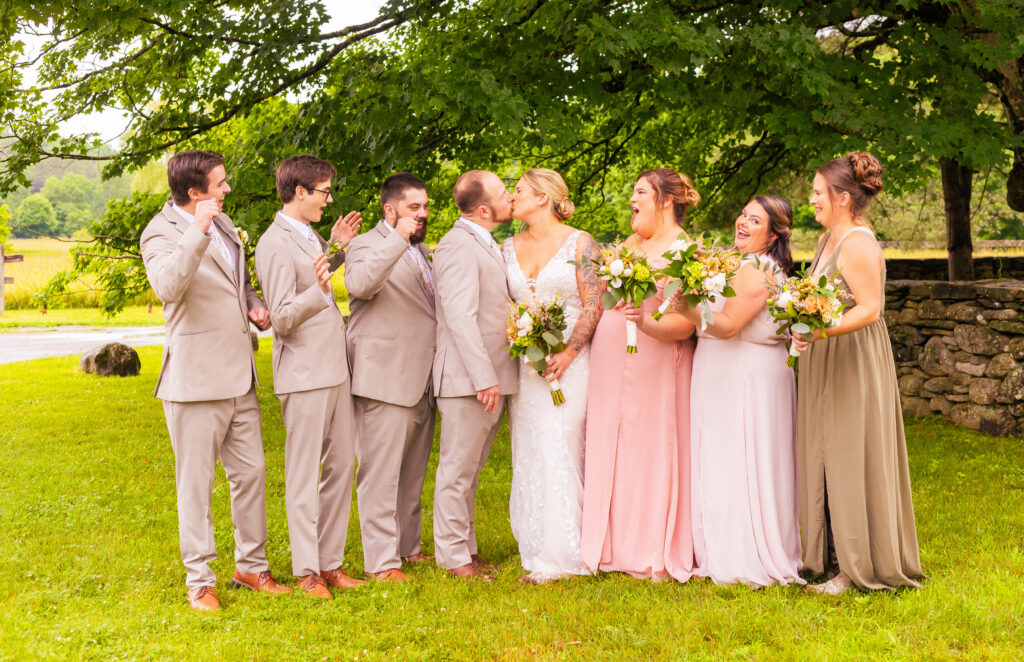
x=472 y=355
x=207 y=384
x=391 y=338
x=472 y=315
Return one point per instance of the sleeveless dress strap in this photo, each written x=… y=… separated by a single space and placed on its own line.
x=842 y=240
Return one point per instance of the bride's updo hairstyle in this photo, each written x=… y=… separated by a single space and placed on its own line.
x=859 y=174
x=545 y=181
x=780 y=223
x=674 y=186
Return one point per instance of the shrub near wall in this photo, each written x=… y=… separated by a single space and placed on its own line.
x=959 y=349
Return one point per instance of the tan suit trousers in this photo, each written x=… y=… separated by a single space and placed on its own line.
x=467 y=434
x=201 y=433
x=393 y=446
x=319 y=461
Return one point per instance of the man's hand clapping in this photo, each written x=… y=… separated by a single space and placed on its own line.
x=323 y=272
x=346 y=228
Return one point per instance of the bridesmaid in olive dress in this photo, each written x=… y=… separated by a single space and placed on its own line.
x=852 y=477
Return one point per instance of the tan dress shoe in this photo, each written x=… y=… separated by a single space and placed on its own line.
x=262 y=582
x=469 y=572
x=338 y=579
x=481 y=565
x=390 y=575
x=314 y=586
x=417 y=558
x=203 y=599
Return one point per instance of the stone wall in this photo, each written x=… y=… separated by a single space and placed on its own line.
x=959 y=348
x=938 y=268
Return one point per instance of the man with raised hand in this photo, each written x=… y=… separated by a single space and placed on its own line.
x=197 y=267
x=391 y=339
x=472 y=370
x=310 y=376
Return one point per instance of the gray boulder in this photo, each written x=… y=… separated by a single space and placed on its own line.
x=111 y=359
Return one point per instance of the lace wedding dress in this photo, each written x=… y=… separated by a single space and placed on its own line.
x=546 y=504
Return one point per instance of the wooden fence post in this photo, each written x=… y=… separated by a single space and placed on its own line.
x=6 y=280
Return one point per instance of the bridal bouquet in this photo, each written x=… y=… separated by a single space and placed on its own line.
x=702 y=271
x=535 y=332
x=629 y=277
x=803 y=304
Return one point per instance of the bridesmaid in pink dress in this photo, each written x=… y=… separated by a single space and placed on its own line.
x=742 y=429
x=636 y=486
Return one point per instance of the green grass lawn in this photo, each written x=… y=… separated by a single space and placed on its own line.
x=89 y=563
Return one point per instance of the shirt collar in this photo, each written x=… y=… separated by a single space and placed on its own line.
x=480 y=230
x=303 y=228
x=184 y=214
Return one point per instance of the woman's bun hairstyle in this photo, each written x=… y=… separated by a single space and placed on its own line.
x=859 y=174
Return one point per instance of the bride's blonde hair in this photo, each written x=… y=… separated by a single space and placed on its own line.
x=548 y=182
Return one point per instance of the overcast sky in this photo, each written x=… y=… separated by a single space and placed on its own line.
x=110 y=124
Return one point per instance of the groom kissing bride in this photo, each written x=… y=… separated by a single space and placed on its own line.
x=472 y=371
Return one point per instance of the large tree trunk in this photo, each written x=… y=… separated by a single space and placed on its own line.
x=956 y=191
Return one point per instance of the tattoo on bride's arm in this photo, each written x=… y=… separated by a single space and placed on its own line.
x=590 y=293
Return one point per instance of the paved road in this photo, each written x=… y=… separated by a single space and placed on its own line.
x=65 y=340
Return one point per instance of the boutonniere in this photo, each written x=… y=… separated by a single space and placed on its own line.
x=243 y=236
x=334 y=247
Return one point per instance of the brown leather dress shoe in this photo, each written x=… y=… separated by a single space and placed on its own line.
x=314 y=586
x=262 y=582
x=390 y=575
x=481 y=565
x=417 y=558
x=469 y=572
x=203 y=599
x=338 y=579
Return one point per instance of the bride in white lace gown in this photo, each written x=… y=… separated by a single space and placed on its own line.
x=546 y=503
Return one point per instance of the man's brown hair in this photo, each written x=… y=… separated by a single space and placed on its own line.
x=189 y=169
x=394 y=187
x=469 y=191
x=304 y=170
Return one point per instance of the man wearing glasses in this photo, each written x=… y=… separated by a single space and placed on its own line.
x=310 y=373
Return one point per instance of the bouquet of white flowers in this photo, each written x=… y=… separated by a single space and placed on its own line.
x=702 y=271
x=803 y=304
x=629 y=277
x=536 y=331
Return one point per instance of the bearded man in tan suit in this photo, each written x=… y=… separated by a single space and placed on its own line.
x=310 y=375
x=472 y=369
x=196 y=265
x=391 y=339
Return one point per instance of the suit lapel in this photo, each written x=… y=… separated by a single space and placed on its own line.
x=182 y=224
x=231 y=240
x=301 y=241
x=414 y=269
x=495 y=255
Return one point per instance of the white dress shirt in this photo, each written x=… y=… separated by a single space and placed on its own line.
x=480 y=230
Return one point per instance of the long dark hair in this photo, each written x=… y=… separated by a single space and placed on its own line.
x=780 y=217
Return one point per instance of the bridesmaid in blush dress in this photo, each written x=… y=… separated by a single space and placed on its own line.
x=742 y=408
x=636 y=486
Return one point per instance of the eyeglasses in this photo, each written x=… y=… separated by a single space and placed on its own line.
x=325 y=191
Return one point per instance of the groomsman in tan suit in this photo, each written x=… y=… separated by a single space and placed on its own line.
x=197 y=267
x=391 y=336
x=472 y=370
x=310 y=376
